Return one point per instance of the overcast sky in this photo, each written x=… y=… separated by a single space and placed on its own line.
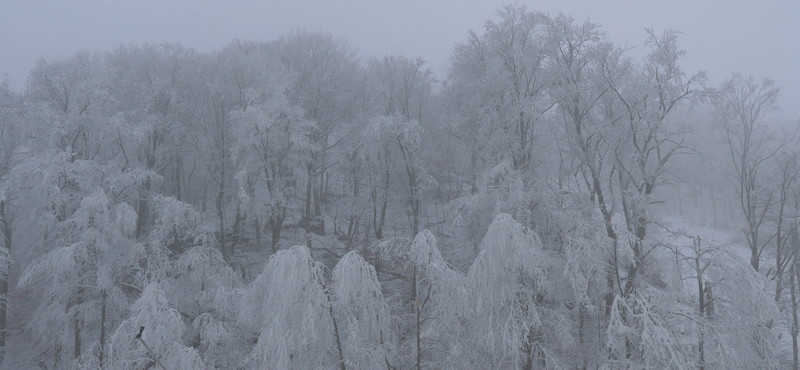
x=759 y=38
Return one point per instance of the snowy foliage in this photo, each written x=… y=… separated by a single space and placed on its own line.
x=217 y=342
x=163 y=328
x=95 y=261
x=175 y=220
x=740 y=331
x=361 y=313
x=511 y=217
x=437 y=298
x=286 y=307
x=506 y=284
x=197 y=278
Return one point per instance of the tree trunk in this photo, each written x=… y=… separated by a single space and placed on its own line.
x=473 y=161
x=342 y=365
x=352 y=227
x=701 y=306
x=78 y=325
x=754 y=260
x=780 y=255
x=417 y=322
x=221 y=195
x=794 y=328
x=5 y=226
x=379 y=217
x=141 y=219
x=102 y=328
x=319 y=194
x=582 y=335
x=204 y=203
x=276 y=226
x=178 y=187
x=221 y=217
x=779 y=265
x=309 y=192
x=237 y=222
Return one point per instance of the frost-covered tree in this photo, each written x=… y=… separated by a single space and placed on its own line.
x=507 y=68
x=199 y=283
x=324 y=84
x=741 y=104
x=648 y=140
x=198 y=276
x=163 y=329
x=399 y=140
x=499 y=83
x=437 y=296
x=71 y=125
x=85 y=281
x=11 y=130
x=141 y=182
x=506 y=285
x=207 y=132
x=146 y=81
x=786 y=175
x=398 y=95
x=286 y=311
x=730 y=312
x=300 y=321
x=271 y=146
x=360 y=314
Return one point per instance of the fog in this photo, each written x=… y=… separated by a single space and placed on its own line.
x=389 y=185
x=721 y=37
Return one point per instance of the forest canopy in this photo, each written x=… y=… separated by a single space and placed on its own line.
x=553 y=202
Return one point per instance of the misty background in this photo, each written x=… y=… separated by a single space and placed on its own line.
x=722 y=37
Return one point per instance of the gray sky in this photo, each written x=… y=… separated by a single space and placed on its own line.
x=759 y=38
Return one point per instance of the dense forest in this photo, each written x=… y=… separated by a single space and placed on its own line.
x=556 y=201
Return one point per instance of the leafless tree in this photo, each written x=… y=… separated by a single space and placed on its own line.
x=741 y=104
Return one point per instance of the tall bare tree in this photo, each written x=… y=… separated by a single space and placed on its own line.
x=741 y=104
x=788 y=173
x=10 y=141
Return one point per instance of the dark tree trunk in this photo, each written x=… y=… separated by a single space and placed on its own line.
x=701 y=294
x=473 y=161
x=102 y=329
x=582 y=311
x=78 y=325
x=276 y=226
x=5 y=226
x=319 y=195
x=754 y=258
x=221 y=217
x=794 y=327
x=309 y=191
x=342 y=365
x=379 y=215
x=237 y=222
x=141 y=219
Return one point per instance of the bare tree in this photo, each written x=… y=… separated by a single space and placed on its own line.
x=741 y=105
x=788 y=168
x=648 y=141
x=324 y=73
x=402 y=88
x=793 y=276
x=10 y=141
